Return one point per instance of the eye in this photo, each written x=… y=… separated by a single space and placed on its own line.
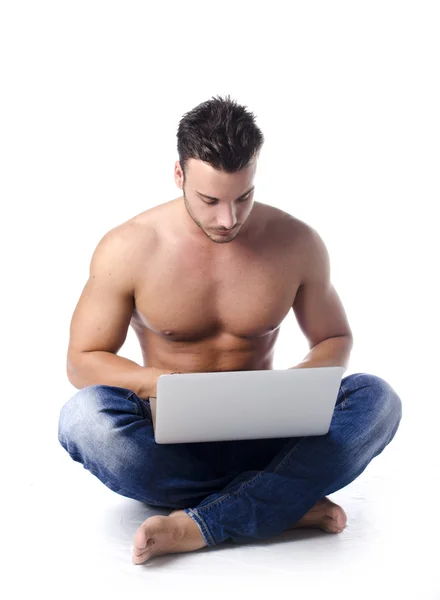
x=239 y=200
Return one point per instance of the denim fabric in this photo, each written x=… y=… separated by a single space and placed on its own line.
x=241 y=490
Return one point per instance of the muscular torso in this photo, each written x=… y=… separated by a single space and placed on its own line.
x=202 y=306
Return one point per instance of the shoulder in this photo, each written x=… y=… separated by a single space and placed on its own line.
x=315 y=260
x=302 y=241
x=140 y=232
x=295 y=230
x=126 y=245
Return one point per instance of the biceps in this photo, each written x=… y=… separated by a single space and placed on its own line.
x=319 y=312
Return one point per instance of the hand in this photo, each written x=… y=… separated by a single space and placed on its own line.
x=158 y=373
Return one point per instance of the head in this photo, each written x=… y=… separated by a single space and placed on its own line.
x=218 y=144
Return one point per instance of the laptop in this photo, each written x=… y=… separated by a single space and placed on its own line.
x=244 y=405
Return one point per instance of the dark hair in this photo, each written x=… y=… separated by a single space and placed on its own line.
x=221 y=133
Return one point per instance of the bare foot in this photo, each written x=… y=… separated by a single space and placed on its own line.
x=324 y=515
x=179 y=533
x=163 y=535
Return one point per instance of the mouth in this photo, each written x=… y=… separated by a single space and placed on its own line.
x=225 y=232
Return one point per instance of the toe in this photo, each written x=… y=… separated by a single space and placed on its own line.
x=141 y=549
x=138 y=560
x=328 y=524
x=140 y=538
x=334 y=524
x=339 y=516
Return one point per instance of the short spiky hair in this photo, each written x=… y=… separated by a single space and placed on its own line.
x=219 y=132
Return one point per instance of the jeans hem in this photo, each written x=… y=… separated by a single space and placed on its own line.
x=209 y=540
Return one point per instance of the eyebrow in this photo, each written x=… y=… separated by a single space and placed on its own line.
x=212 y=198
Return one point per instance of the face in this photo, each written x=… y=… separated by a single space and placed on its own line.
x=218 y=203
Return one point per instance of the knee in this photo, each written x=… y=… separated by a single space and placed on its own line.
x=383 y=397
x=80 y=415
x=386 y=396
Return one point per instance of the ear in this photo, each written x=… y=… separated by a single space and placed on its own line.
x=178 y=175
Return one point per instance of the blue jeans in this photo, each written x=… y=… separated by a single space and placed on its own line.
x=241 y=490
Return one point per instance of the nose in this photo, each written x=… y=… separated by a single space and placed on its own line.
x=227 y=219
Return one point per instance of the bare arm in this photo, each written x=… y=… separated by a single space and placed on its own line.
x=101 y=319
x=106 y=368
x=319 y=310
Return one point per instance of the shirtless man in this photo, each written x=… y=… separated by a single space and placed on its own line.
x=205 y=281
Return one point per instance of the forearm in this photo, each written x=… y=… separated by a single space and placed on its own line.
x=333 y=352
x=106 y=368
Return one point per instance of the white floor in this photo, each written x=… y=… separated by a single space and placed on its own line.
x=69 y=535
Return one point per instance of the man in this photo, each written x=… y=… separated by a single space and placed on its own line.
x=205 y=280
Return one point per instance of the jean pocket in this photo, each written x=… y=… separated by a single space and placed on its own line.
x=145 y=408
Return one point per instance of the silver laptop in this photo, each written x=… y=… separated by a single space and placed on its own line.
x=243 y=405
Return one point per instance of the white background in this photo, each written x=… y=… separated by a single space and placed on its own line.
x=347 y=95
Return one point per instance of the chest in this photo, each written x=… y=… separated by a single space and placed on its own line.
x=183 y=296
